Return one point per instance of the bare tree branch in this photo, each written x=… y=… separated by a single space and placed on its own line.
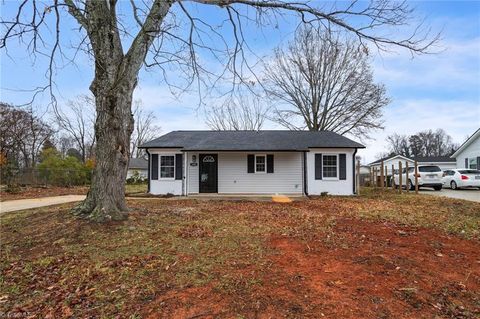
x=325 y=83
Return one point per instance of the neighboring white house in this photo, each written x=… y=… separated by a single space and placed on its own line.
x=252 y=162
x=392 y=161
x=138 y=166
x=444 y=162
x=468 y=154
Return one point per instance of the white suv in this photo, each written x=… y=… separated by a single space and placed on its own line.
x=428 y=176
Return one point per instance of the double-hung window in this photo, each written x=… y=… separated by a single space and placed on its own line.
x=260 y=164
x=167 y=166
x=330 y=166
x=472 y=163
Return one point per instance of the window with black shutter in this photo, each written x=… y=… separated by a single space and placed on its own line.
x=329 y=167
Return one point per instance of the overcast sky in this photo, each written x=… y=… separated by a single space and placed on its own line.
x=427 y=92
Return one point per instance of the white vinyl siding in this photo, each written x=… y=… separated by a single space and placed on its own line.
x=193 y=174
x=470 y=152
x=166 y=185
x=331 y=185
x=233 y=177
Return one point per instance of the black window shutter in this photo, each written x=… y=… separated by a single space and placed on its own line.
x=466 y=163
x=343 y=166
x=318 y=166
x=270 y=163
x=251 y=163
x=154 y=166
x=178 y=166
x=478 y=162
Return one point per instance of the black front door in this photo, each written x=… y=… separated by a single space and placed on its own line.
x=208 y=173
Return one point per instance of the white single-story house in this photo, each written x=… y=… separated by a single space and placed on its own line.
x=138 y=166
x=468 y=154
x=389 y=161
x=444 y=162
x=251 y=162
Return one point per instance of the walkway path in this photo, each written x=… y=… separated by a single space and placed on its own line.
x=21 y=204
x=467 y=194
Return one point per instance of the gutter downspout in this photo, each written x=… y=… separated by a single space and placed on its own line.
x=185 y=174
x=354 y=173
x=305 y=183
x=148 y=171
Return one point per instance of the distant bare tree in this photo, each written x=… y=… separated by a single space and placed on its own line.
x=122 y=37
x=22 y=135
x=432 y=143
x=144 y=129
x=399 y=144
x=324 y=82
x=242 y=112
x=77 y=119
x=422 y=144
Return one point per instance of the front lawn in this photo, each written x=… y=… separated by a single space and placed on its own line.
x=381 y=255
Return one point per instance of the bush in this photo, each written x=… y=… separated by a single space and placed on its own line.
x=63 y=171
x=136 y=178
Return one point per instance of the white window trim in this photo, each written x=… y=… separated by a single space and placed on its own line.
x=472 y=161
x=160 y=166
x=338 y=168
x=265 y=163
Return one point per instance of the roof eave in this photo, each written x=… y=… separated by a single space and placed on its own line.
x=466 y=143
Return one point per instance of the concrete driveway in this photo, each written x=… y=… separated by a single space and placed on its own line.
x=21 y=204
x=466 y=194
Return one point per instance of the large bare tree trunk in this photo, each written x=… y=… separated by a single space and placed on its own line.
x=113 y=128
x=115 y=79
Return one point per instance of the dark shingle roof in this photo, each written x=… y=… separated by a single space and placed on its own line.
x=435 y=159
x=138 y=163
x=384 y=159
x=428 y=159
x=250 y=140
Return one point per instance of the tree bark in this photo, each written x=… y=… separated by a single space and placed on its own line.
x=113 y=127
x=115 y=80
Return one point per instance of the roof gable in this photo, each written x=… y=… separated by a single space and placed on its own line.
x=280 y=140
x=427 y=159
x=467 y=143
x=137 y=163
x=389 y=158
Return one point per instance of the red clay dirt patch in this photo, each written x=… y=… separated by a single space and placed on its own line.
x=361 y=270
x=380 y=271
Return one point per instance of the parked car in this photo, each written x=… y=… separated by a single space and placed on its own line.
x=428 y=176
x=461 y=178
